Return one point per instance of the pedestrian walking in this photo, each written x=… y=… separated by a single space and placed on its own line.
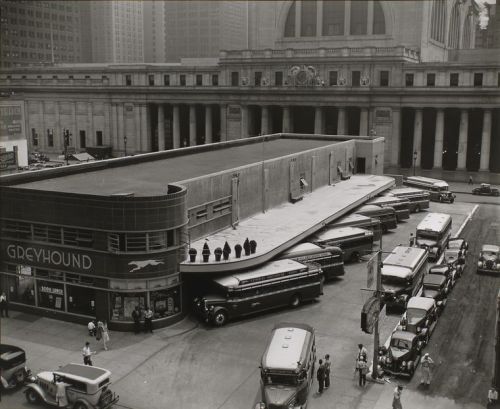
x=426 y=364
x=105 y=335
x=396 y=400
x=470 y=180
x=136 y=316
x=98 y=332
x=362 y=352
x=92 y=328
x=148 y=320
x=320 y=375
x=362 y=367
x=87 y=354
x=328 y=365
x=4 y=305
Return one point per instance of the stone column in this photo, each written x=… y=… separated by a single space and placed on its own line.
x=176 y=128
x=91 y=140
x=161 y=127
x=438 y=144
x=208 y=124
x=287 y=126
x=145 y=129
x=318 y=121
x=417 y=136
x=58 y=136
x=341 y=120
x=121 y=127
x=462 y=140
x=137 y=126
x=485 y=141
x=114 y=126
x=363 y=122
x=192 y=125
x=396 y=136
x=223 y=122
x=108 y=123
x=244 y=121
x=264 y=123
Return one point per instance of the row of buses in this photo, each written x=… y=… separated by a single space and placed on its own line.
x=297 y=275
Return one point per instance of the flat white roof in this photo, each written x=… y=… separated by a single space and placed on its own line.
x=434 y=222
x=403 y=256
x=285 y=349
x=341 y=233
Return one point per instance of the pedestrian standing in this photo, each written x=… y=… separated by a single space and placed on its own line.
x=148 y=320
x=92 y=329
x=61 y=397
x=320 y=375
x=426 y=363
x=327 y=371
x=87 y=354
x=105 y=335
x=396 y=400
x=136 y=316
x=470 y=180
x=363 y=370
x=4 y=305
x=362 y=352
x=98 y=332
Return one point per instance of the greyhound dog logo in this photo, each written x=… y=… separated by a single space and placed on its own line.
x=139 y=265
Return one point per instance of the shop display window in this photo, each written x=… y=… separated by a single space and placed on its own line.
x=22 y=287
x=50 y=295
x=165 y=303
x=122 y=305
x=81 y=300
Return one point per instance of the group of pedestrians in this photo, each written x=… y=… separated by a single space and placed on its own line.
x=138 y=315
x=100 y=331
x=323 y=373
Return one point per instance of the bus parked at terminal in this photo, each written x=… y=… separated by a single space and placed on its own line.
x=438 y=189
x=401 y=206
x=275 y=284
x=386 y=215
x=418 y=199
x=353 y=241
x=402 y=275
x=363 y=222
x=433 y=233
x=330 y=259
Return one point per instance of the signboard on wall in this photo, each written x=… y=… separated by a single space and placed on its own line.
x=8 y=159
x=11 y=118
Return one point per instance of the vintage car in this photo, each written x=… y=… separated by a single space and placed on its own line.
x=485 y=189
x=402 y=356
x=447 y=271
x=87 y=387
x=436 y=287
x=13 y=368
x=456 y=259
x=458 y=243
x=420 y=318
x=489 y=259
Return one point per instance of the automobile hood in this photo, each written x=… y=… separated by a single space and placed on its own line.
x=392 y=288
x=426 y=242
x=279 y=396
x=488 y=258
x=398 y=354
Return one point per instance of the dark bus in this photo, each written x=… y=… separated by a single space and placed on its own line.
x=363 y=222
x=353 y=241
x=386 y=215
x=330 y=259
x=275 y=284
x=419 y=199
x=401 y=206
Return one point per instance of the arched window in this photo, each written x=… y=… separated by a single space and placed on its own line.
x=333 y=18
x=378 y=18
x=454 y=33
x=308 y=19
x=359 y=17
x=466 y=40
x=290 y=22
x=438 y=20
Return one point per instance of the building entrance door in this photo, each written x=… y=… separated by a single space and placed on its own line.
x=360 y=165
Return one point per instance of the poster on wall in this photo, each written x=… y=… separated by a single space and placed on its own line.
x=11 y=118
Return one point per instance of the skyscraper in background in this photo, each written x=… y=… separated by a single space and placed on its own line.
x=154 y=30
x=117 y=31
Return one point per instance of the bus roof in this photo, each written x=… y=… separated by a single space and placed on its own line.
x=341 y=233
x=387 y=199
x=490 y=247
x=407 y=191
x=427 y=181
x=288 y=347
x=370 y=208
x=352 y=218
x=435 y=222
x=403 y=256
x=273 y=267
x=304 y=249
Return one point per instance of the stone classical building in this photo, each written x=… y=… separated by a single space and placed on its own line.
x=403 y=70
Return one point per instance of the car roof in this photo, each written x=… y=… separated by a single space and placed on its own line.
x=490 y=247
x=434 y=279
x=84 y=373
x=420 y=303
x=405 y=335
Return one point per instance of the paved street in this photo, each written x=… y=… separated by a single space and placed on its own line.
x=191 y=365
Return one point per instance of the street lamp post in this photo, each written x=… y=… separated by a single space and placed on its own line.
x=125 y=144
x=415 y=153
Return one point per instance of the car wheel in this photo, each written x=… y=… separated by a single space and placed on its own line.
x=295 y=301
x=220 y=318
x=32 y=396
x=417 y=208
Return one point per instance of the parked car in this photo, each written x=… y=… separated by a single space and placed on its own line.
x=447 y=271
x=402 y=356
x=459 y=243
x=455 y=258
x=485 y=189
x=489 y=259
x=87 y=387
x=437 y=288
x=420 y=318
x=37 y=157
x=13 y=370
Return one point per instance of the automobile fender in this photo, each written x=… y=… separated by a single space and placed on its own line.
x=219 y=308
x=37 y=389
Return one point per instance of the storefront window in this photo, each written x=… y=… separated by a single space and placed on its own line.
x=22 y=287
x=81 y=300
x=165 y=302
x=50 y=295
x=122 y=305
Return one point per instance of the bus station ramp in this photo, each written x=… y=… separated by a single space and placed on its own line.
x=285 y=225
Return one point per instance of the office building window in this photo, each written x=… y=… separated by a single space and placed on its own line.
x=355 y=78
x=34 y=137
x=384 y=78
x=166 y=80
x=409 y=78
x=183 y=79
x=278 y=78
x=83 y=140
x=478 y=79
x=98 y=138
x=215 y=79
x=258 y=78
x=199 y=79
x=128 y=79
x=235 y=79
x=151 y=79
x=431 y=79
x=454 y=79
x=333 y=77
x=50 y=137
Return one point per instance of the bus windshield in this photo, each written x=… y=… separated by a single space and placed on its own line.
x=279 y=379
x=387 y=279
x=424 y=234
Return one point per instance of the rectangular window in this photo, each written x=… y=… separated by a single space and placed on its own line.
x=355 y=78
x=258 y=78
x=235 y=79
x=199 y=79
x=34 y=137
x=454 y=79
x=278 y=78
x=409 y=80
x=215 y=80
x=83 y=140
x=359 y=17
x=478 y=79
x=308 y=19
x=128 y=80
x=166 y=80
x=384 y=78
x=98 y=138
x=183 y=80
x=50 y=137
x=431 y=79
x=151 y=80
x=333 y=77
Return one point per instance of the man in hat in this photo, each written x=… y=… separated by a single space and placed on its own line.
x=426 y=363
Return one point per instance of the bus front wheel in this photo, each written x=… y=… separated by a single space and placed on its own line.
x=295 y=301
x=220 y=318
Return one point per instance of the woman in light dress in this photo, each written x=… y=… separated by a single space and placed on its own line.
x=102 y=328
